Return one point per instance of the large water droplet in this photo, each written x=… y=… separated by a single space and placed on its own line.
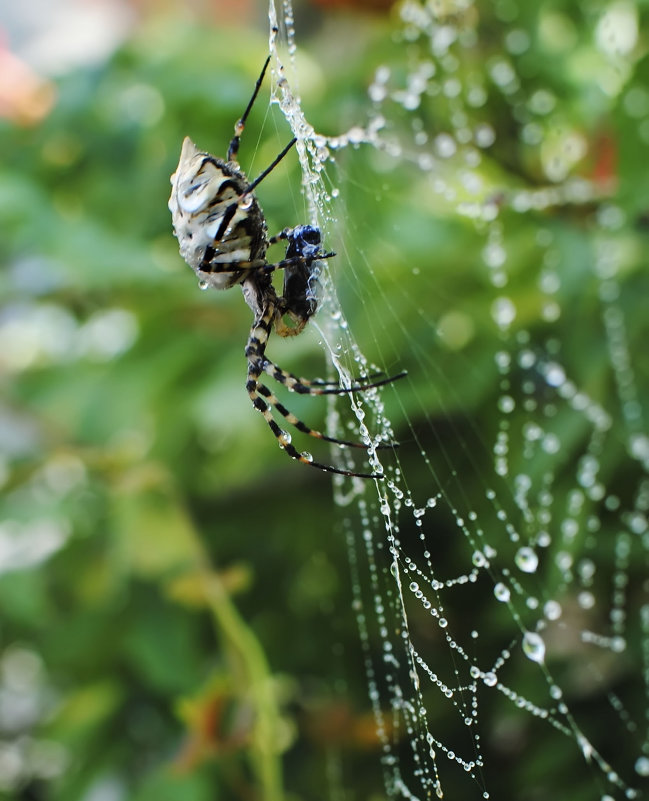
x=501 y=591
x=503 y=312
x=526 y=559
x=533 y=646
x=642 y=766
x=552 y=610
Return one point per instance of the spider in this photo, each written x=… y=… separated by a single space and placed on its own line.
x=222 y=234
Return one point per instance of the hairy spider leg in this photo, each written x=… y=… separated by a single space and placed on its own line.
x=255 y=351
x=240 y=124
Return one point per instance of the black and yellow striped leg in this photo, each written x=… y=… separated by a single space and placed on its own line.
x=255 y=349
x=272 y=399
x=303 y=386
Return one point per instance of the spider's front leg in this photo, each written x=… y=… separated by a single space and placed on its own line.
x=207 y=266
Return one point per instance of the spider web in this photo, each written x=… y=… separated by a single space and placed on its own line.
x=499 y=573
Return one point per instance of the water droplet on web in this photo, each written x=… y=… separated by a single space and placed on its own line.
x=526 y=559
x=555 y=375
x=639 y=447
x=445 y=145
x=203 y=284
x=490 y=679
x=484 y=135
x=533 y=646
x=503 y=312
x=552 y=610
x=586 y=600
x=551 y=443
x=501 y=591
x=642 y=766
x=494 y=255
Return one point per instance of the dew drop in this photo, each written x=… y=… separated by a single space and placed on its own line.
x=502 y=593
x=586 y=600
x=555 y=375
x=526 y=560
x=490 y=679
x=533 y=646
x=642 y=766
x=503 y=312
x=552 y=610
x=203 y=284
x=484 y=135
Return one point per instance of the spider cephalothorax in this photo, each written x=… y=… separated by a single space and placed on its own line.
x=223 y=236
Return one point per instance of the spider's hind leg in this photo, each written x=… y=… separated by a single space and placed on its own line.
x=304 y=386
x=255 y=354
x=272 y=399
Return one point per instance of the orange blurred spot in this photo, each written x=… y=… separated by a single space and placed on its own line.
x=25 y=97
x=605 y=167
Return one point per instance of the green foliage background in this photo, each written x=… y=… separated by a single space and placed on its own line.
x=194 y=634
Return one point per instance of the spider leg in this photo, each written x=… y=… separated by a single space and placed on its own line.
x=255 y=350
x=320 y=382
x=278 y=237
x=304 y=386
x=240 y=124
x=272 y=399
x=207 y=266
x=270 y=167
